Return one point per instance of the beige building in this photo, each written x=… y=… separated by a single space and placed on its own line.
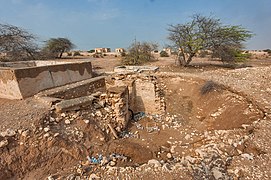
x=168 y=50
x=102 y=50
x=119 y=50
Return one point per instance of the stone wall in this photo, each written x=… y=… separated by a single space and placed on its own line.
x=118 y=99
x=144 y=92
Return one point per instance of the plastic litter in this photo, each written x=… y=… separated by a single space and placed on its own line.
x=98 y=160
x=139 y=115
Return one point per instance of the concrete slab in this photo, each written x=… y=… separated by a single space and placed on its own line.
x=19 y=80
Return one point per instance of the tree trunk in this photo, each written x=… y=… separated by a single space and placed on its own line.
x=181 y=61
x=60 y=55
x=189 y=59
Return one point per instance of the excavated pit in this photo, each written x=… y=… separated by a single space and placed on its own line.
x=164 y=111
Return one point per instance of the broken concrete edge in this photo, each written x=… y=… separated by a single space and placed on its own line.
x=136 y=69
x=69 y=87
x=25 y=79
x=50 y=101
x=75 y=104
x=37 y=63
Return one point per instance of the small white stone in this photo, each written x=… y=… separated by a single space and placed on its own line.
x=46 y=135
x=112 y=163
x=217 y=174
x=166 y=167
x=247 y=156
x=8 y=133
x=50 y=178
x=52 y=119
x=187 y=137
x=46 y=129
x=25 y=133
x=169 y=155
x=86 y=121
x=67 y=121
x=154 y=162
x=3 y=143
x=93 y=177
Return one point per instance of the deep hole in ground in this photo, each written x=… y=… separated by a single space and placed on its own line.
x=63 y=142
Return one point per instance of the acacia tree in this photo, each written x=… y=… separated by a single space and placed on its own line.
x=57 y=46
x=17 y=43
x=206 y=33
x=139 y=53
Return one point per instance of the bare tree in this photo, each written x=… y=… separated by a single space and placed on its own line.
x=17 y=43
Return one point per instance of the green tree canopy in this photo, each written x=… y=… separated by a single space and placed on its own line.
x=57 y=46
x=206 y=33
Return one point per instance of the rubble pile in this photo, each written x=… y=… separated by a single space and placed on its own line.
x=127 y=132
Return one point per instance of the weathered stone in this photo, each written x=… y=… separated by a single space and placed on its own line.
x=67 y=121
x=8 y=133
x=46 y=129
x=169 y=155
x=3 y=143
x=73 y=104
x=154 y=162
x=217 y=174
x=93 y=177
x=166 y=167
x=112 y=163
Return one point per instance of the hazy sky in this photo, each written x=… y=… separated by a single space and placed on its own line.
x=115 y=23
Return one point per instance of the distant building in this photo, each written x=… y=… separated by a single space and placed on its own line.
x=119 y=50
x=102 y=50
x=168 y=50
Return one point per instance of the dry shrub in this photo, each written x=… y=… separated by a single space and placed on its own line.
x=210 y=86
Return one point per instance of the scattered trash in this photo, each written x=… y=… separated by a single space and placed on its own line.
x=139 y=115
x=127 y=134
x=94 y=160
x=101 y=159
x=139 y=126
x=152 y=129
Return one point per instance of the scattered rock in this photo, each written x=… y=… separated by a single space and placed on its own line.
x=93 y=177
x=154 y=162
x=217 y=174
x=67 y=121
x=169 y=155
x=247 y=156
x=46 y=129
x=8 y=133
x=3 y=143
x=112 y=163
x=166 y=167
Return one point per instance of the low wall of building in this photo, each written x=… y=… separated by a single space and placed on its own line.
x=9 y=87
x=19 y=83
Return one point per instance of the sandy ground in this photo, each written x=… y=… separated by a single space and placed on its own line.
x=224 y=134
